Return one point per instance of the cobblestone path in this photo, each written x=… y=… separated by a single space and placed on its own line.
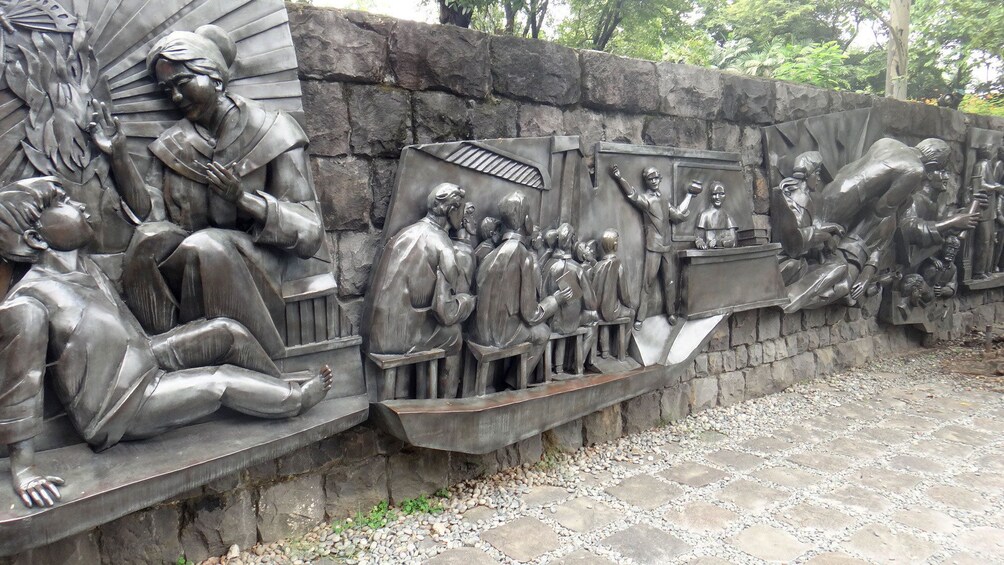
x=900 y=464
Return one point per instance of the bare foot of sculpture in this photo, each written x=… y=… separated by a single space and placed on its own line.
x=315 y=389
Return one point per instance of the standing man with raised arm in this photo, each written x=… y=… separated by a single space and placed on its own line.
x=656 y=214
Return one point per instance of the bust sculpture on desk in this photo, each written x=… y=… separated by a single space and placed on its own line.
x=715 y=228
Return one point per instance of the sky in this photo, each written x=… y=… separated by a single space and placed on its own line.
x=401 y=9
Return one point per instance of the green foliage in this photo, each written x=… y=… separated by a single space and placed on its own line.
x=383 y=513
x=182 y=560
x=955 y=45
x=378 y=517
x=818 y=64
x=635 y=28
x=761 y=21
x=991 y=105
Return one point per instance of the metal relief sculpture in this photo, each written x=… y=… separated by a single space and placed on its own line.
x=229 y=294
x=424 y=284
x=715 y=228
x=657 y=214
x=887 y=219
x=865 y=201
x=578 y=277
x=980 y=192
x=63 y=321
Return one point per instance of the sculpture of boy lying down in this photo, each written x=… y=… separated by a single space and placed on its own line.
x=63 y=321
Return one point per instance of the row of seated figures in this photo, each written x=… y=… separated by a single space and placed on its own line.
x=446 y=315
x=545 y=305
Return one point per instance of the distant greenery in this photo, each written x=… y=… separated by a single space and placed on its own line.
x=956 y=46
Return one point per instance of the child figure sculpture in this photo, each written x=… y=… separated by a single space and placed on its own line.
x=64 y=322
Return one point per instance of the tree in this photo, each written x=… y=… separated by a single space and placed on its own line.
x=523 y=18
x=635 y=28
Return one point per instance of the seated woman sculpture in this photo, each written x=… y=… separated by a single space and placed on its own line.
x=62 y=321
x=232 y=181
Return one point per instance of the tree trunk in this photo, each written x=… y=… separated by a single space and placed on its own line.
x=899 y=38
x=457 y=17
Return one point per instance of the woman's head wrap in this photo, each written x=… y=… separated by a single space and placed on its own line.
x=209 y=50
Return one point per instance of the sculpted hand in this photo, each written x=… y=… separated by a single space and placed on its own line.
x=700 y=243
x=696 y=187
x=860 y=286
x=105 y=129
x=37 y=490
x=615 y=172
x=224 y=182
x=965 y=221
x=563 y=295
x=834 y=229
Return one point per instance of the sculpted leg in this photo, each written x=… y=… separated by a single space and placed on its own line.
x=206 y=343
x=648 y=282
x=182 y=397
x=223 y=274
x=668 y=271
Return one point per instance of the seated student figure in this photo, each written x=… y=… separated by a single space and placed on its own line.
x=573 y=314
x=715 y=228
x=489 y=234
x=613 y=292
x=510 y=309
x=64 y=321
x=585 y=254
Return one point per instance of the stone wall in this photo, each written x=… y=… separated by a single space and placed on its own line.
x=373 y=85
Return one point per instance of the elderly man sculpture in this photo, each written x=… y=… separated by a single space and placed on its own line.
x=510 y=310
x=64 y=322
x=233 y=182
x=795 y=222
x=866 y=197
x=419 y=296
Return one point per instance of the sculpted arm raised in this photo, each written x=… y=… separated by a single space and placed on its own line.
x=106 y=131
x=629 y=191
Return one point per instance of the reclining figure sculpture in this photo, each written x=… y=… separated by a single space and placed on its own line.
x=63 y=321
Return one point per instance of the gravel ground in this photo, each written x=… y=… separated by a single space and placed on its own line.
x=784 y=484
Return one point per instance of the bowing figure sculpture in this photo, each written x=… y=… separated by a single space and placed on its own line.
x=230 y=220
x=866 y=199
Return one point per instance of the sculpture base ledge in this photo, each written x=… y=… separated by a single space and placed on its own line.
x=486 y=423
x=995 y=280
x=130 y=476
